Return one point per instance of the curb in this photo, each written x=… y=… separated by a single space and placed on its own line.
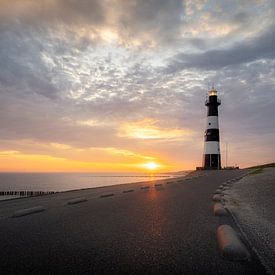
x=218 y=191
x=219 y=210
x=230 y=245
x=217 y=197
x=107 y=195
x=76 y=200
x=128 y=191
x=27 y=211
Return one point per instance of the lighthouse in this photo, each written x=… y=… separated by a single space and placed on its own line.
x=212 y=156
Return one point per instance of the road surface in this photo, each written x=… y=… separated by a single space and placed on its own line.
x=165 y=229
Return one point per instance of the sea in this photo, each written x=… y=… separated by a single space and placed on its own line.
x=72 y=181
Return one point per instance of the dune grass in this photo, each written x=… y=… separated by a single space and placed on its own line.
x=267 y=165
x=259 y=168
x=257 y=171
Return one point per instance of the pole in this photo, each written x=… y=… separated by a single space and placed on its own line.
x=226 y=153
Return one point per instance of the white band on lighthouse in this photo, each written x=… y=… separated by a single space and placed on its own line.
x=211 y=147
x=212 y=122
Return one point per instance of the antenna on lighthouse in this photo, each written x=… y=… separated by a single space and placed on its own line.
x=226 y=152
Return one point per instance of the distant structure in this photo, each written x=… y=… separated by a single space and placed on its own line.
x=212 y=156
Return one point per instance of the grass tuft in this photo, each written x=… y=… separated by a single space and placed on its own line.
x=267 y=165
x=257 y=171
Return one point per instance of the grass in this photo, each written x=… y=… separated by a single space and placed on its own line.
x=257 y=171
x=259 y=168
x=267 y=165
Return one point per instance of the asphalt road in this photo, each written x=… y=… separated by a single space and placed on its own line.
x=167 y=229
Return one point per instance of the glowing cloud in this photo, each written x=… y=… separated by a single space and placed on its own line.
x=147 y=129
x=60 y=146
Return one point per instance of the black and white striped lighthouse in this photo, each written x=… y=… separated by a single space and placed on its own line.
x=212 y=156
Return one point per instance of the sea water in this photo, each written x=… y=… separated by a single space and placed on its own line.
x=71 y=181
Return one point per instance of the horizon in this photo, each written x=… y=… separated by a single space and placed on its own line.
x=119 y=86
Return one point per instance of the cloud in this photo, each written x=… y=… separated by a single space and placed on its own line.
x=60 y=146
x=261 y=47
x=8 y=153
x=127 y=22
x=52 y=12
x=149 y=21
x=148 y=129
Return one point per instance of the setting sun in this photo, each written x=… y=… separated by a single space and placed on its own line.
x=151 y=165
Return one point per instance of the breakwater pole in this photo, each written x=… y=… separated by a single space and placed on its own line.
x=26 y=193
x=212 y=156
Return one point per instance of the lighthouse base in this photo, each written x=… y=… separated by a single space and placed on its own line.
x=212 y=162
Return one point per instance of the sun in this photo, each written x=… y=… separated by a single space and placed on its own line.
x=151 y=165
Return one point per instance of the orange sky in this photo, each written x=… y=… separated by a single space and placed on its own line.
x=18 y=162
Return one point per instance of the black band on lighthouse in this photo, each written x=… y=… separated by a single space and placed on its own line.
x=212 y=103
x=212 y=161
x=212 y=135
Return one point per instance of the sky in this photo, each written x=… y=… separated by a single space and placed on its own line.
x=113 y=86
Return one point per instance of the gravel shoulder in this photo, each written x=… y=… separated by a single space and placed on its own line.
x=251 y=201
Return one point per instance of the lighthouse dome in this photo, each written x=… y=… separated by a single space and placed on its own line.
x=212 y=92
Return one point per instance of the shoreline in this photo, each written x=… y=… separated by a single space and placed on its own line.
x=164 y=178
